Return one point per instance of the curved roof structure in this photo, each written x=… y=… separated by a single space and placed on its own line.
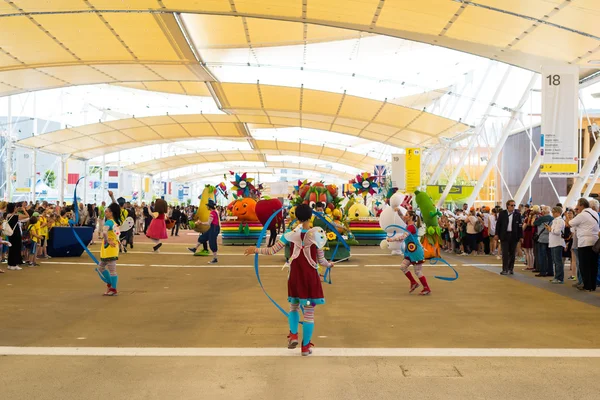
x=269 y=168
x=262 y=147
x=256 y=106
x=69 y=42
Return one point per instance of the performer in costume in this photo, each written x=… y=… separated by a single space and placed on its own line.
x=304 y=282
x=210 y=236
x=109 y=251
x=414 y=253
x=158 y=228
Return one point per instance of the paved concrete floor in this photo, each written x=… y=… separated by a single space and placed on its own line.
x=173 y=300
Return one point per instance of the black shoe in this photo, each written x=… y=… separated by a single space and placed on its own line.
x=157 y=246
x=503 y=273
x=511 y=272
x=131 y=245
x=543 y=275
x=213 y=261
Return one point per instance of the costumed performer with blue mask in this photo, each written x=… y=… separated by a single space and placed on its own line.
x=414 y=254
x=109 y=251
x=304 y=282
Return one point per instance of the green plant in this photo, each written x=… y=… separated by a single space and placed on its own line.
x=95 y=170
x=50 y=178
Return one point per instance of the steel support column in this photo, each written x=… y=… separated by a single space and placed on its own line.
x=440 y=166
x=586 y=169
x=34 y=175
x=457 y=169
x=524 y=187
x=103 y=180
x=473 y=139
x=500 y=145
x=85 y=181
x=62 y=172
x=592 y=183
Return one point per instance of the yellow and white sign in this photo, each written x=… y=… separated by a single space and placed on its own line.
x=560 y=93
x=413 y=169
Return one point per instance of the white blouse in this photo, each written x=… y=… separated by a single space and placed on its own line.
x=556 y=231
x=586 y=223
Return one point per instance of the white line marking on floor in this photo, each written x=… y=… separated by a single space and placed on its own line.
x=89 y=263
x=232 y=266
x=282 y=352
x=483 y=265
x=225 y=254
x=398 y=264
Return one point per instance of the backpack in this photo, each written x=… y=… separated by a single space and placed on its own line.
x=27 y=236
x=6 y=228
x=478 y=226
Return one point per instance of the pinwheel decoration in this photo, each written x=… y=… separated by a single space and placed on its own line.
x=365 y=183
x=242 y=185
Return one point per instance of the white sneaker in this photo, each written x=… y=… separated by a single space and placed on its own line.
x=14 y=268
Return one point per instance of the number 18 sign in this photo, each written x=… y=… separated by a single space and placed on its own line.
x=560 y=94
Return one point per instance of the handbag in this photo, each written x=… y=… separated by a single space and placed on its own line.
x=6 y=228
x=596 y=246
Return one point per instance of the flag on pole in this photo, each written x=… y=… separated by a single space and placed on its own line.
x=72 y=179
x=380 y=173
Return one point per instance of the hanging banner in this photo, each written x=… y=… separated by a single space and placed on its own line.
x=560 y=94
x=147 y=185
x=413 y=169
x=399 y=171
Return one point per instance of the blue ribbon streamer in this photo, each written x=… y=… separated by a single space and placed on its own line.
x=72 y=224
x=261 y=237
x=327 y=274
x=432 y=261
x=258 y=243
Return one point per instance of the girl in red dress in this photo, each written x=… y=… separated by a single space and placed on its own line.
x=304 y=282
x=158 y=227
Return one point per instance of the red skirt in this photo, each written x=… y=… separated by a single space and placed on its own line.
x=157 y=228
x=528 y=238
x=304 y=282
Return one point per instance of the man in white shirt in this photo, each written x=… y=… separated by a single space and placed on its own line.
x=586 y=223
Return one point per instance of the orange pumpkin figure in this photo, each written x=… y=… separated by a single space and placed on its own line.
x=245 y=209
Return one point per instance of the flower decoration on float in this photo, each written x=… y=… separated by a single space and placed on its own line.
x=365 y=183
x=242 y=185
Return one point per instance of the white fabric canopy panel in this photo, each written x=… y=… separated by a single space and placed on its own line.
x=64 y=42
x=280 y=168
x=258 y=106
x=370 y=119
x=263 y=147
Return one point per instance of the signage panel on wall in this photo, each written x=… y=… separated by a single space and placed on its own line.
x=560 y=96
x=399 y=171
x=413 y=169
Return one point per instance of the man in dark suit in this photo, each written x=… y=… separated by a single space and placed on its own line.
x=176 y=216
x=509 y=229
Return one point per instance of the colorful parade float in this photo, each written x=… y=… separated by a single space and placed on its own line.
x=242 y=226
x=312 y=193
x=363 y=220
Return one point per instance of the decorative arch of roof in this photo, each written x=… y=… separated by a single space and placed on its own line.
x=71 y=42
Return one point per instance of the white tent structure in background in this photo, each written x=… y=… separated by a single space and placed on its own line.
x=45 y=192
